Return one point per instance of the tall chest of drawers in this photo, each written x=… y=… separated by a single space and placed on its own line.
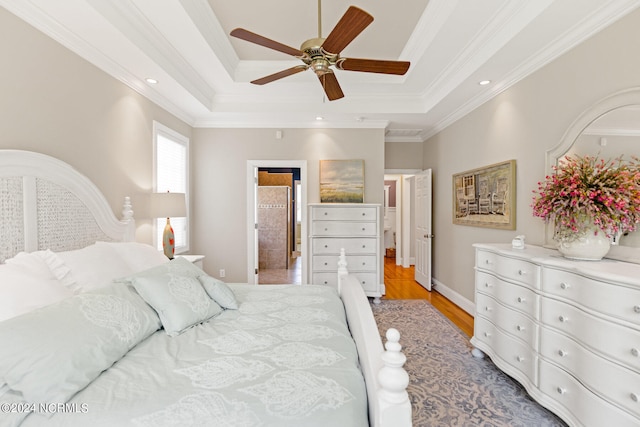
x=354 y=227
x=568 y=331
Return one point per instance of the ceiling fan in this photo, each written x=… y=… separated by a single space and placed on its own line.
x=320 y=53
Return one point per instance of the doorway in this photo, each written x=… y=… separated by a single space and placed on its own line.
x=399 y=216
x=276 y=221
x=407 y=214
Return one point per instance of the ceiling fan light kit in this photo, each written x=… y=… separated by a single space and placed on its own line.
x=319 y=54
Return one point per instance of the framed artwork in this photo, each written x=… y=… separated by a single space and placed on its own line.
x=486 y=197
x=341 y=181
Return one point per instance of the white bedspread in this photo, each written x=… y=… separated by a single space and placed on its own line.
x=285 y=358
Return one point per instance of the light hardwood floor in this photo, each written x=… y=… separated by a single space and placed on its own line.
x=400 y=284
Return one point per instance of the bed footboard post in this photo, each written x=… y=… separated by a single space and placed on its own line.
x=342 y=268
x=395 y=407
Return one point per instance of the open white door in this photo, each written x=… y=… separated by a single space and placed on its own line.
x=423 y=231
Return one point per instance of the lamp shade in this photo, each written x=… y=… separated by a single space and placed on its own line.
x=168 y=205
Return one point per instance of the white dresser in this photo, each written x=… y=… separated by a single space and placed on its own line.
x=357 y=229
x=568 y=331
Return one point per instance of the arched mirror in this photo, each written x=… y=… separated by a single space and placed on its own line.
x=609 y=128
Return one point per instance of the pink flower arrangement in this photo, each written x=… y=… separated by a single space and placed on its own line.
x=586 y=192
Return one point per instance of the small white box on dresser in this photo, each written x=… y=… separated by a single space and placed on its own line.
x=356 y=228
x=568 y=331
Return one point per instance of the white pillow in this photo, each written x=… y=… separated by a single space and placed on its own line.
x=23 y=289
x=174 y=291
x=219 y=292
x=50 y=354
x=35 y=262
x=138 y=256
x=89 y=268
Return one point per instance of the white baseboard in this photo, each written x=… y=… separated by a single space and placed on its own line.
x=454 y=297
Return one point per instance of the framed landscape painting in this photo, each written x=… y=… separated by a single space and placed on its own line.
x=486 y=197
x=342 y=181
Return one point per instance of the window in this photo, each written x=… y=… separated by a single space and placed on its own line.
x=171 y=172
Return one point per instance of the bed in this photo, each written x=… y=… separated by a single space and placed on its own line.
x=96 y=329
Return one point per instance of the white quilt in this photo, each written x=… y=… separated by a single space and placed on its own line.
x=284 y=358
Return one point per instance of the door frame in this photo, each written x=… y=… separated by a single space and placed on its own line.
x=403 y=213
x=252 y=210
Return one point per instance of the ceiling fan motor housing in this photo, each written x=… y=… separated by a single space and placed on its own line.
x=318 y=60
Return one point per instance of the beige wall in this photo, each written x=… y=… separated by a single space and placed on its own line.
x=522 y=123
x=219 y=162
x=403 y=155
x=56 y=103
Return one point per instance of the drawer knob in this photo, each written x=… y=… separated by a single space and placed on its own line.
x=364 y=263
x=363 y=228
x=488 y=262
x=636 y=308
x=520 y=358
x=563 y=319
x=326 y=283
x=635 y=352
x=564 y=285
x=326 y=246
x=487 y=285
x=364 y=246
x=562 y=353
x=488 y=309
x=364 y=214
x=520 y=328
x=522 y=272
x=487 y=334
x=634 y=397
x=326 y=213
x=326 y=263
x=561 y=390
x=326 y=229
x=521 y=299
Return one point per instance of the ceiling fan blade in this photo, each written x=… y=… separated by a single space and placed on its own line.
x=247 y=35
x=373 y=66
x=331 y=86
x=352 y=23
x=279 y=75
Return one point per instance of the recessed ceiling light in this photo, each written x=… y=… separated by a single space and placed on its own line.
x=319 y=118
x=151 y=81
x=484 y=82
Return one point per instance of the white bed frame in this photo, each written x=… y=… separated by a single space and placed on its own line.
x=47 y=204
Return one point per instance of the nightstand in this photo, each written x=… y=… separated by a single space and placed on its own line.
x=197 y=260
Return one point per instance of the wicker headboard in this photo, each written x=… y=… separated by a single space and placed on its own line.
x=46 y=204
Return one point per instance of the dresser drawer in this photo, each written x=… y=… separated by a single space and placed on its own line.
x=509 y=268
x=363 y=213
x=512 y=322
x=616 y=301
x=322 y=245
x=580 y=403
x=515 y=353
x=329 y=278
x=615 y=383
x=354 y=263
x=512 y=295
x=367 y=280
x=606 y=338
x=337 y=228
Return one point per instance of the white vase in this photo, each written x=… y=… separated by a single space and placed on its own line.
x=589 y=246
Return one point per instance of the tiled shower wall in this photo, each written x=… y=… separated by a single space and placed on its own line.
x=273 y=227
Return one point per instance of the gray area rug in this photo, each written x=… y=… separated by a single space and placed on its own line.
x=447 y=385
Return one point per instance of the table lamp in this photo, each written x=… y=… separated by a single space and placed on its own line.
x=168 y=205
